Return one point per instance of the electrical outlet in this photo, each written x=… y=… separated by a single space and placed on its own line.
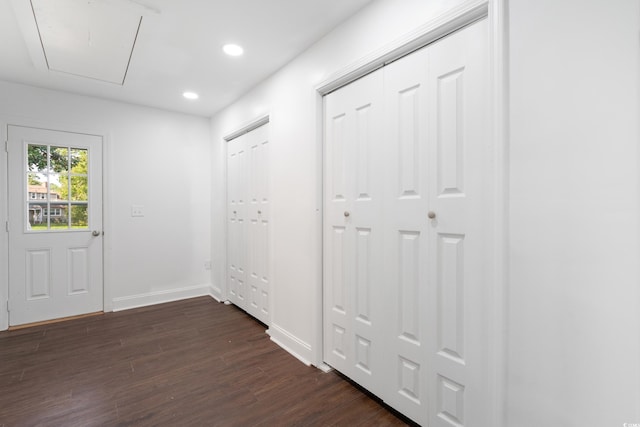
x=137 y=210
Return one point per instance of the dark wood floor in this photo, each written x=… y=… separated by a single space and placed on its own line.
x=193 y=362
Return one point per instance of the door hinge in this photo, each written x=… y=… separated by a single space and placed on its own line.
x=6 y=146
x=6 y=226
x=7 y=305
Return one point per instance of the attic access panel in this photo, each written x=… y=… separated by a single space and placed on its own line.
x=88 y=38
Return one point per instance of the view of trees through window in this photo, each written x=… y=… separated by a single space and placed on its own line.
x=57 y=187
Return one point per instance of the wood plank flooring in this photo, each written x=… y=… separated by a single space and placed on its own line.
x=192 y=362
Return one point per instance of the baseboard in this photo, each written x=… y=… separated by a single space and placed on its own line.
x=216 y=293
x=294 y=346
x=159 y=297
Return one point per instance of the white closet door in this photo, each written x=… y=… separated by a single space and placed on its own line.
x=236 y=236
x=248 y=244
x=459 y=160
x=403 y=293
x=353 y=230
x=258 y=224
x=406 y=235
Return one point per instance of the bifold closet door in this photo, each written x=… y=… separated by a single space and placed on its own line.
x=236 y=231
x=257 y=225
x=403 y=279
x=248 y=244
x=353 y=245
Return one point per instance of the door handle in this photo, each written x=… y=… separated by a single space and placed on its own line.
x=95 y=233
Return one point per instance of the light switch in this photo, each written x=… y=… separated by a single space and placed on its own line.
x=137 y=210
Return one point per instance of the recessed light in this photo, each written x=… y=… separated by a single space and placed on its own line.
x=233 y=49
x=190 y=95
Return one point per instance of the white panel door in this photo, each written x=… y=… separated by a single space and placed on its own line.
x=258 y=213
x=406 y=234
x=237 y=205
x=413 y=243
x=248 y=245
x=459 y=155
x=55 y=224
x=353 y=231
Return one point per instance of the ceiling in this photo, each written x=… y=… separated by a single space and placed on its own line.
x=94 y=47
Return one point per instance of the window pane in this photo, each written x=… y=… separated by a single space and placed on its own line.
x=79 y=216
x=79 y=161
x=59 y=159
x=57 y=214
x=36 y=187
x=37 y=158
x=79 y=188
x=58 y=187
x=36 y=217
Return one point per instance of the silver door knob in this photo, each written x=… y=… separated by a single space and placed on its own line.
x=259 y=212
x=346 y=213
x=431 y=215
x=95 y=233
x=234 y=212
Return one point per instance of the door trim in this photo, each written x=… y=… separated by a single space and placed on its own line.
x=5 y=122
x=496 y=11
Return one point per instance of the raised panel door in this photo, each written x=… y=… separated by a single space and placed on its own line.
x=55 y=224
x=353 y=230
x=258 y=224
x=458 y=172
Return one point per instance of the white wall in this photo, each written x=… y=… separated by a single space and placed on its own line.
x=574 y=313
x=290 y=99
x=155 y=158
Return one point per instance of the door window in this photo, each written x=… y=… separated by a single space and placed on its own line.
x=57 y=190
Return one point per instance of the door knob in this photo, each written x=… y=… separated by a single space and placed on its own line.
x=95 y=233
x=346 y=213
x=259 y=212
x=431 y=215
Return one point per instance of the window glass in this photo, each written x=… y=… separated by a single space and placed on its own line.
x=57 y=188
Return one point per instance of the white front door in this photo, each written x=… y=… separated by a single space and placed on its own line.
x=55 y=224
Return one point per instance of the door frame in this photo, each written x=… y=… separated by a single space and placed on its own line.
x=5 y=122
x=496 y=12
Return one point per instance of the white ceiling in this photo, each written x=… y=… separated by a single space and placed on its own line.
x=178 y=47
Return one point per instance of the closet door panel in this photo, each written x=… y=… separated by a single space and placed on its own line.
x=236 y=196
x=258 y=223
x=458 y=158
x=406 y=244
x=353 y=230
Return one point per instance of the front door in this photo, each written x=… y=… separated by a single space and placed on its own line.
x=55 y=224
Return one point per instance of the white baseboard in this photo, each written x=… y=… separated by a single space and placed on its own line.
x=216 y=293
x=294 y=346
x=159 y=297
x=4 y=317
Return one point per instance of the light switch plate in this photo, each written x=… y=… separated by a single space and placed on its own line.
x=137 y=210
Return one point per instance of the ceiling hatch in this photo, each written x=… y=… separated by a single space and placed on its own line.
x=87 y=38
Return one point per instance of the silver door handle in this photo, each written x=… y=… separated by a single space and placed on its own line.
x=346 y=213
x=95 y=233
x=431 y=215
